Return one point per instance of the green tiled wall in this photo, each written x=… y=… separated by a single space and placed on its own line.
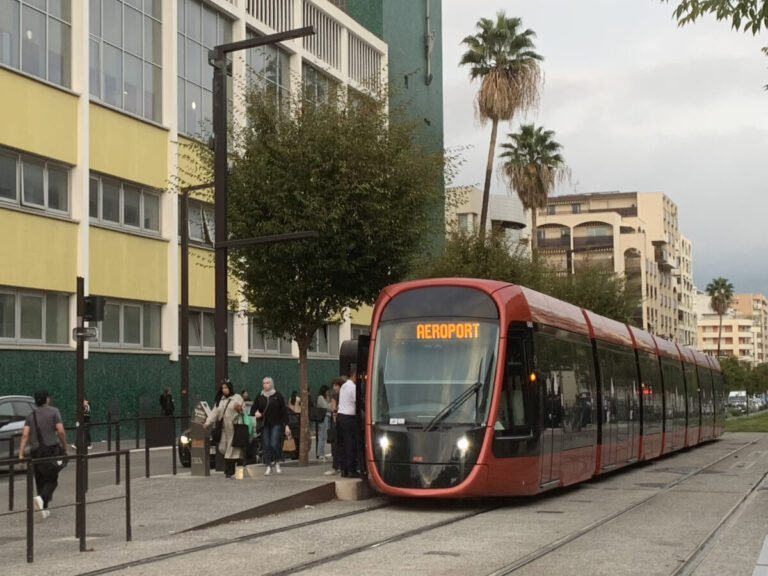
x=128 y=377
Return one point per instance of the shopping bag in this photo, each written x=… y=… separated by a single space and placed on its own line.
x=241 y=437
x=248 y=421
x=289 y=445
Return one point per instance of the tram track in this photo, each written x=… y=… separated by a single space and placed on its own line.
x=552 y=547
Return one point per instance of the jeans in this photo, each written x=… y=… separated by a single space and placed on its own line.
x=322 y=435
x=346 y=436
x=273 y=443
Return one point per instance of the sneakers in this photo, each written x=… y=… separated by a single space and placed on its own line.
x=38 y=503
x=268 y=471
x=277 y=468
x=331 y=472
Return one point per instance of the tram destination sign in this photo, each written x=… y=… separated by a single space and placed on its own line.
x=448 y=331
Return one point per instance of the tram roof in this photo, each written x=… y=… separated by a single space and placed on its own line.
x=545 y=309
x=643 y=340
x=608 y=330
x=667 y=348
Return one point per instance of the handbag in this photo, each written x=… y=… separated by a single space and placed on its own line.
x=317 y=414
x=248 y=421
x=241 y=437
x=289 y=444
x=49 y=467
x=218 y=425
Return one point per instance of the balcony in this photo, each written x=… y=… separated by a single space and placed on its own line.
x=581 y=242
x=562 y=243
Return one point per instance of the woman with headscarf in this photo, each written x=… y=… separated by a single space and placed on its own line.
x=228 y=408
x=270 y=405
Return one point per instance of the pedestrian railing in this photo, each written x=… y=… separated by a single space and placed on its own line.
x=80 y=506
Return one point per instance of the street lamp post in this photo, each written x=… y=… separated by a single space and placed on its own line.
x=218 y=59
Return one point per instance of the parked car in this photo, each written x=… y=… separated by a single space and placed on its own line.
x=13 y=411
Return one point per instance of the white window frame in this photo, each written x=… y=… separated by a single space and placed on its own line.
x=17 y=295
x=144 y=192
x=121 y=344
x=20 y=196
x=330 y=334
x=284 y=346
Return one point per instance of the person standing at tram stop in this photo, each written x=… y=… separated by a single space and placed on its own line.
x=166 y=402
x=228 y=408
x=333 y=431
x=323 y=402
x=346 y=425
x=270 y=405
x=43 y=429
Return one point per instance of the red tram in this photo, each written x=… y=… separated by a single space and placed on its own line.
x=483 y=388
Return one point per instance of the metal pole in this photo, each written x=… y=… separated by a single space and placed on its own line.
x=184 y=360
x=30 y=512
x=80 y=392
x=127 y=495
x=219 y=62
x=11 y=474
x=218 y=59
x=117 y=449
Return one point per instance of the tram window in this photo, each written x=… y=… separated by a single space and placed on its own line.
x=514 y=414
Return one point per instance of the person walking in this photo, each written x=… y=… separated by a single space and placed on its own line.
x=44 y=432
x=271 y=407
x=228 y=408
x=87 y=421
x=323 y=402
x=166 y=402
x=347 y=430
x=334 y=428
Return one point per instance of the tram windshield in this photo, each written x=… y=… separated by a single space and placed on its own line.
x=432 y=372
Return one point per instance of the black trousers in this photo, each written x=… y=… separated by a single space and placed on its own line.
x=346 y=436
x=46 y=482
x=229 y=466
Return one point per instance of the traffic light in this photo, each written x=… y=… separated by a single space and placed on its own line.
x=94 y=308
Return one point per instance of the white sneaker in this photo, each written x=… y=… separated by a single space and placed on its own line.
x=277 y=468
x=331 y=472
x=45 y=513
x=37 y=502
x=268 y=471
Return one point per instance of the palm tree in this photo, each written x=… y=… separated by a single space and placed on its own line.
x=532 y=166
x=502 y=56
x=720 y=293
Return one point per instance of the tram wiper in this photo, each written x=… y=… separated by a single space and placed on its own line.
x=450 y=408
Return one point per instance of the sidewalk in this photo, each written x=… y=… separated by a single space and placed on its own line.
x=163 y=507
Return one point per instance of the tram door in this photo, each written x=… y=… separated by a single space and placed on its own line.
x=552 y=428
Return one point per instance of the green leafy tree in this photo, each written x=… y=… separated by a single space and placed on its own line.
x=735 y=375
x=469 y=256
x=751 y=14
x=503 y=57
x=533 y=166
x=759 y=379
x=346 y=168
x=720 y=292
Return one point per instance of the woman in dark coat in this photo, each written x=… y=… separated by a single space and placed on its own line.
x=271 y=407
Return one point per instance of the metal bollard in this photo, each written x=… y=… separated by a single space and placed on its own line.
x=109 y=432
x=30 y=518
x=128 y=536
x=117 y=449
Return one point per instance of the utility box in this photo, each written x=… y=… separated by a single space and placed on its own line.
x=200 y=450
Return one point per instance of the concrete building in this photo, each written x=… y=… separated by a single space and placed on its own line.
x=630 y=233
x=686 y=317
x=745 y=328
x=463 y=207
x=97 y=98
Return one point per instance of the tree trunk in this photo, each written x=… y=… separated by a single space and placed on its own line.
x=488 y=172
x=304 y=439
x=534 y=238
x=719 y=335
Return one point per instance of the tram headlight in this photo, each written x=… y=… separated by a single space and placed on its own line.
x=184 y=439
x=462 y=444
x=384 y=443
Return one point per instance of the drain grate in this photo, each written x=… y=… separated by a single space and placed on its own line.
x=442 y=553
x=549 y=512
x=651 y=484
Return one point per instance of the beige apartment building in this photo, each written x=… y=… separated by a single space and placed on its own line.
x=745 y=327
x=464 y=205
x=630 y=233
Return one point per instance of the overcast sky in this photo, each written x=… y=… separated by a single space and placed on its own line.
x=639 y=104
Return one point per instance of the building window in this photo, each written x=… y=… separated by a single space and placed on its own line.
x=325 y=342
x=130 y=324
x=32 y=317
x=33 y=182
x=466 y=222
x=316 y=86
x=44 y=48
x=261 y=343
x=550 y=209
x=200 y=29
x=125 y=205
x=201 y=224
x=125 y=55
x=360 y=330
x=576 y=208
x=202 y=332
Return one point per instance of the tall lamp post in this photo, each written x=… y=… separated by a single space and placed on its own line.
x=218 y=59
